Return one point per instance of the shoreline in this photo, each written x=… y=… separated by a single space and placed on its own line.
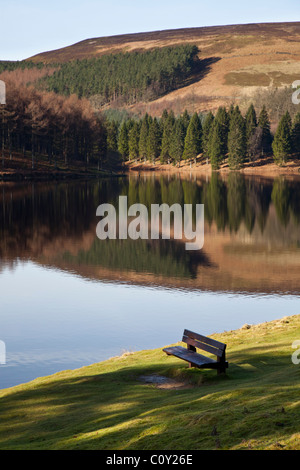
x=217 y=335
x=265 y=167
x=262 y=168
x=19 y=176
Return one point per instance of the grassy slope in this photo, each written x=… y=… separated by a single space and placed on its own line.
x=106 y=406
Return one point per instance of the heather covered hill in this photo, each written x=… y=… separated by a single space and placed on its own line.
x=243 y=60
x=202 y=36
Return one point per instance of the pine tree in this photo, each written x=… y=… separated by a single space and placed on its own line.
x=206 y=130
x=215 y=145
x=177 y=139
x=296 y=134
x=223 y=119
x=236 y=140
x=129 y=124
x=166 y=137
x=193 y=139
x=112 y=129
x=153 y=140
x=230 y=111
x=251 y=125
x=282 y=144
x=186 y=120
x=264 y=124
x=133 y=141
x=123 y=141
x=163 y=119
x=144 y=137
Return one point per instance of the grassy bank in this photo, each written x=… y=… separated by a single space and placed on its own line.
x=112 y=405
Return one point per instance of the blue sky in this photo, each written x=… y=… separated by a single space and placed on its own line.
x=30 y=27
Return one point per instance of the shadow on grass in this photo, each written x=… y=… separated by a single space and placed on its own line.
x=201 y=69
x=115 y=410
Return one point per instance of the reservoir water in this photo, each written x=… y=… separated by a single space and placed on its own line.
x=69 y=299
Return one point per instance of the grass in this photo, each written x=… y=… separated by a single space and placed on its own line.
x=243 y=79
x=247 y=79
x=107 y=405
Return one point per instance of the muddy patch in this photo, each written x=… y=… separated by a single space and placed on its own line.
x=164 y=382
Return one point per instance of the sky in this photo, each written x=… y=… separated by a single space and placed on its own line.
x=28 y=28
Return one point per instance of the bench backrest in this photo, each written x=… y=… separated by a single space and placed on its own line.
x=202 y=342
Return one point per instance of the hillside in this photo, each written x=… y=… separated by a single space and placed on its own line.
x=239 y=60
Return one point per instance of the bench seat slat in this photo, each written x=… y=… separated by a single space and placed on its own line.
x=192 y=357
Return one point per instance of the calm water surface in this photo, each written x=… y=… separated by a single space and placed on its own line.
x=69 y=299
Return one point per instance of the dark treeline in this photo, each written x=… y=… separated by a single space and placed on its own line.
x=67 y=130
x=226 y=135
x=10 y=65
x=131 y=76
x=34 y=123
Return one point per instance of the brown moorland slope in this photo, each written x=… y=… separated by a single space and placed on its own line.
x=243 y=59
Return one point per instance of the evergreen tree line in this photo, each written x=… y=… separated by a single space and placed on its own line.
x=132 y=75
x=10 y=65
x=128 y=77
x=226 y=135
x=67 y=129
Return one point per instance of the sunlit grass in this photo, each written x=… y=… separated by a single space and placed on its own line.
x=107 y=405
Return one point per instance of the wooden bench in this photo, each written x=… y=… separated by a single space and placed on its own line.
x=195 y=341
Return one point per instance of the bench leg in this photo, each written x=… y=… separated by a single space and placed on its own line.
x=222 y=367
x=191 y=348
